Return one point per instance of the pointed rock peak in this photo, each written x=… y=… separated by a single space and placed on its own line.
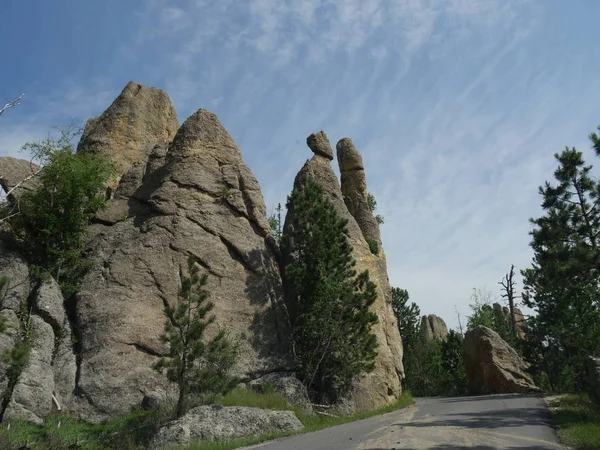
x=203 y=132
x=320 y=145
x=348 y=157
x=140 y=118
x=133 y=88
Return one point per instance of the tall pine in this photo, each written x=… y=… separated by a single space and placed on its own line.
x=332 y=339
x=562 y=284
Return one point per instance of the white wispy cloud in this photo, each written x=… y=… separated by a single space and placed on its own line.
x=456 y=105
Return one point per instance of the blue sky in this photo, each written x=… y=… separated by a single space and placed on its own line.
x=456 y=105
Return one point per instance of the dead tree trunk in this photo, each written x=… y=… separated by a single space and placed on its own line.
x=508 y=288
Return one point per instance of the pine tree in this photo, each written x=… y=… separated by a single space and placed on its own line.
x=331 y=321
x=562 y=284
x=455 y=382
x=275 y=222
x=195 y=365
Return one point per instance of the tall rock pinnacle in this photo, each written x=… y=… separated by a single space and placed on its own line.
x=354 y=189
x=383 y=385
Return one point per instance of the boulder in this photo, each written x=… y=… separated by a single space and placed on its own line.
x=217 y=423
x=197 y=197
x=14 y=171
x=434 y=327
x=287 y=386
x=594 y=378
x=383 y=384
x=492 y=366
x=319 y=144
x=140 y=118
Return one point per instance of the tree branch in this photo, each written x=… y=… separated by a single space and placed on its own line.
x=12 y=103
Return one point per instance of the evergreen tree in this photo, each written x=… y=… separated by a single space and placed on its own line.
x=275 y=222
x=562 y=284
x=453 y=365
x=372 y=206
x=332 y=339
x=195 y=365
x=408 y=317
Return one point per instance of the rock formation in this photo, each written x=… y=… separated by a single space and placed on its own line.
x=14 y=171
x=519 y=319
x=179 y=191
x=520 y=323
x=34 y=309
x=219 y=423
x=492 y=366
x=382 y=385
x=140 y=118
x=434 y=327
x=195 y=197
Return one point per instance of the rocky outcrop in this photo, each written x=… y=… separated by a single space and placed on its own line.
x=35 y=318
x=593 y=378
x=13 y=268
x=31 y=398
x=218 y=423
x=520 y=323
x=354 y=191
x=434 y=327
x=382 y=385
x=492 y=366
x=17 y=172
x=140 y=118
x=194 y=197
x=286 y=386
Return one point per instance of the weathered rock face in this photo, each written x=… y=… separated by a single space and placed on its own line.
x=492 y=366
x=14 y=171
x=50 y=368
x=382 y=385
x=519 y=319
x=196 y=197
x=14 y=268
x=434 y=327
x=140 y=118
x=218 y=423
x=31 y=398
x=354 y=191
x=594 y=378
x=520 y=323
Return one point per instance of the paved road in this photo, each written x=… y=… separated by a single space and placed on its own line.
x=486 y=422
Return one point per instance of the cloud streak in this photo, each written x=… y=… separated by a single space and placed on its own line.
x=456 y=105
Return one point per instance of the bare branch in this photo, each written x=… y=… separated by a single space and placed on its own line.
x=12 y=103
x=24 y=180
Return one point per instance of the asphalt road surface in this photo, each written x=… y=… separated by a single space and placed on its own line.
x=486 y=422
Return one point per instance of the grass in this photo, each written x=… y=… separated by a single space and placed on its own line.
x=134 y=430
x=311 y=423
x=577 y=422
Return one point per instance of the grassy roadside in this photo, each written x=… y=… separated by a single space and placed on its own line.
x=133 y=431
x=311 y=423
x=577 y=422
